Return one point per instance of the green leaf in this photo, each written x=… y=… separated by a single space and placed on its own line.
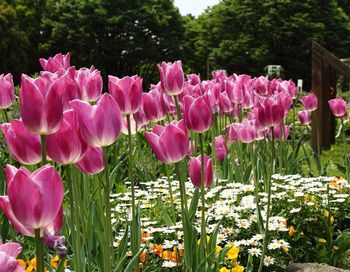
x=134 y=261
x=167 y=220
x=194 y=204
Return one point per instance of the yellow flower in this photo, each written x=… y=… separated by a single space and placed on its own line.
x=322 y=241
x=208 y=239
x=326 y=213
x=233 y=253
x=54 y=261
x=224 y=269
x=238 y=268
x=331 y=219
x=218 y=249
x=291 y=231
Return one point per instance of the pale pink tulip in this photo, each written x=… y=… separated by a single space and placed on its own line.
x=34 y=200
x=67 y=145
x=7 y=91
x=170 y=144
x=8 y=257
x=100 y=124
x=309 y=102
x=338 y=107
x=304 y=117
x=23 y=145
x=127 y=92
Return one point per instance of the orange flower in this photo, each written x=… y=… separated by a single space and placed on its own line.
x=143 y=257
x=157 y=249
x=166 y=255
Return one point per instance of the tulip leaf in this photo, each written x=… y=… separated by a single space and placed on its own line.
x=134 y=261
x=123 y=245
x=167 y=220
x=194 y=204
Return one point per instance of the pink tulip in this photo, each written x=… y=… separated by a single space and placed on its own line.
x=232 y=131
x=278 y=133
x=69 y=89
x=170 y=144
x=89 y=82
x=193 y=79
x=270 y=112
x=59 y=61
x=23 y=145
x=8 y=257
x=100 y=124
x=338 y=107
x=153 y=106
x=197 y=113
x=304 y=117
x=309 y=102
x=41 y=103
x=34 y=200
x=127 y=92
x=171 y=77
x=246 y=132
x=92 y=161
x=287 y=101
x=7 y=91
x=195 y=171
x=288 y=87
x=67 y=145
x=219 y=75
x=140 y=119
x=225 y=104
x=261 y=85
x=213 y=91
x=221 y=150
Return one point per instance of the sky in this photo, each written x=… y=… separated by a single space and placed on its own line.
x=194 y=7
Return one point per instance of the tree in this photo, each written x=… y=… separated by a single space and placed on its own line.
x=243 y=36
x=13 y=43
x=121 y=39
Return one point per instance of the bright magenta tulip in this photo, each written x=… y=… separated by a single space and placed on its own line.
x=304 y=117
x=100 y=124
x=41 y=103
x=170 y=144
x=127 y=92
x=7 y=91
x=338 y=107
x=247 y=132
x=58 y=62
x=89 y=82
x=92 y=161
x=197 y=113
x=193 y=79
x=270 y=112
x=232 y=131
x=221 y=149
x=225 y=104
x=8 y=257
x=309 y=102
x=67 y=145
x=34 y=200
x=195 y=171
x=171 y=77
x=23 y=145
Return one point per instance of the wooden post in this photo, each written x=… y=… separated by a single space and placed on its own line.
x=324 y=79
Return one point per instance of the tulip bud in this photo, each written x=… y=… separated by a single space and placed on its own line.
x=195 y=171
x=171 y=77
x=309 y=102
x=197 y=113
x=92 y=161
x=338 y=107
x=170 y=144
x=67 y=145
x=304 y=117
x=221 y=150
x=7 y=91
x=126 y=92
x=23 y=145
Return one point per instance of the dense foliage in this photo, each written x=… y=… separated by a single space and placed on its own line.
x=241 y=36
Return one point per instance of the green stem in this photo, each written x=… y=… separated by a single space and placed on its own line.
x=39 y=245
x=133 y=229
x=317 y=132
x=213 y=151
x=6 y=117
x=178 y=110
x=203 y=227
x=343 y=132
x=266 y=232
x=171 y=193
x=108 y=220
x=73 y=223
x=43 y=150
